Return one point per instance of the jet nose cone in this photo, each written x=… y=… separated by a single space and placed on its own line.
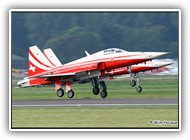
x=156 y=54
x=163 y=64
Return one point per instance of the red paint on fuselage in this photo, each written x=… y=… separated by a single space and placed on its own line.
x=88 y=65
x=39 y=81
x=134 y=69
x=94 y=66
x=105 y=64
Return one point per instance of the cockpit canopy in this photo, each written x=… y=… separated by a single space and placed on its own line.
x=113 y=51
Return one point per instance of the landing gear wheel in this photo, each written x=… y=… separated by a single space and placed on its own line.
x=133 y=83
x=139 y=89
x=60 y=92
x=70 y=94
x=103 y=93
x=95 y=90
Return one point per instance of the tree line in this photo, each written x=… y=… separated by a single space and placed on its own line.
x=69 y=34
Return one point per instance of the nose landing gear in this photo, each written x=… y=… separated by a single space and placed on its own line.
x=134 y=80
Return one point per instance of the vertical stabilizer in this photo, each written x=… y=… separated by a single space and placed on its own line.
x=37 y=62
x=52 y=57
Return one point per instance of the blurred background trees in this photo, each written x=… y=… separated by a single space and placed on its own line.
x=69 y=34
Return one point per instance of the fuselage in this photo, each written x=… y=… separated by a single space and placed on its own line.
x=45 y=68
x=104 y=60
x=94 y=65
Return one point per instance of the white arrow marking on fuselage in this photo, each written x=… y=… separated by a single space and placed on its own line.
x=32 y=68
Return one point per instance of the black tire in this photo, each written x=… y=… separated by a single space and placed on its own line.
x=70 y=94
x=60 y=92
x=139 y=89
x=133 y=83
x=95 y=90
x=103 y=94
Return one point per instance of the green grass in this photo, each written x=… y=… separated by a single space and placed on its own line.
x=93 y=117
x=99 y=117
x=153 y=87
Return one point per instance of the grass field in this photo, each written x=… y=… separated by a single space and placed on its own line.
x=153 y=87
x=99 y=117
x=94 y=117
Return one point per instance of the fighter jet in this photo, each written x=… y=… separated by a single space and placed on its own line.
x=45 y=68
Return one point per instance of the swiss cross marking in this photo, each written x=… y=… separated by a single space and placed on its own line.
x=32 y=68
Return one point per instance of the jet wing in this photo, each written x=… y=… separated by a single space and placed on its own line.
x=54 y=75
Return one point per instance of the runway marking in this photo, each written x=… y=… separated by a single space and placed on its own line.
x=81 y=105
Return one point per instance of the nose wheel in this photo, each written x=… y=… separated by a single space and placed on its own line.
x=134 y=80
x=139 y=89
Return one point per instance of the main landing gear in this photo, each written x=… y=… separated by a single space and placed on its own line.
x=103 y=87
x=60 y=91
x=96 y=89
x=95 y=85
x=134 y=80
x=70 y=93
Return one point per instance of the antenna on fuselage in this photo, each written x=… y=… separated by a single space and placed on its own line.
x=87 y=53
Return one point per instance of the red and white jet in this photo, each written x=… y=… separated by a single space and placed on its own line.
x=45 y=68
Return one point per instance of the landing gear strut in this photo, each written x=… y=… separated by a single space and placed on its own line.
x=134 y=80
x=139 y=88
x=60 y=91
x=95 y=85
x=96 y=89
x=103 y=87
x=70 y=92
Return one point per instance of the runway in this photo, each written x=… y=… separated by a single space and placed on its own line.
x=97 y=102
